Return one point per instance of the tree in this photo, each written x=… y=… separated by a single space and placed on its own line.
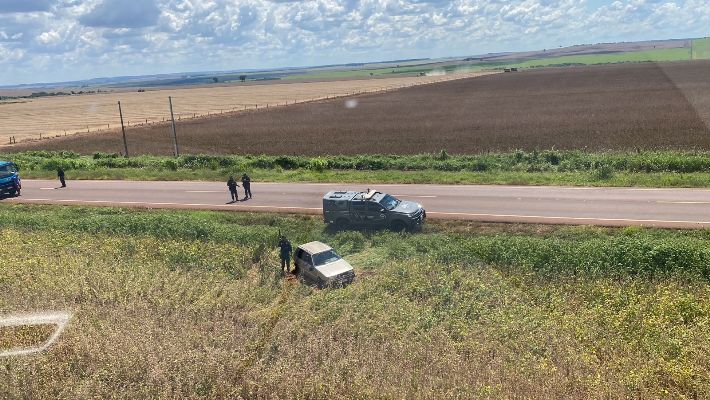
x=242 y=78
x=215 y=79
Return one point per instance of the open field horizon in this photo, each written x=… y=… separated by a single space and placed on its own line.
x=611 y=107
x=26 y=119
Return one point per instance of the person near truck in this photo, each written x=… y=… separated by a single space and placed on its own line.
x=246 y=183
x=60 y=174
x=285 y=253
x=232 y=185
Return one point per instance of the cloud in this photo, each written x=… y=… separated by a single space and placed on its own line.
x=23 y=6
x=74 y=39
x=122 y=14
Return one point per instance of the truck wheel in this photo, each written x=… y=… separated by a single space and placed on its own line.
x=398 y=226
x=342 y=224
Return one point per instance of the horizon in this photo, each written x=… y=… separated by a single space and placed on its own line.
x=75 y=40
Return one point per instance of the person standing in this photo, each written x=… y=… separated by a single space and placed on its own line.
x=246 y=183
x=60 y=174
x=285 y=252
x=232 y=185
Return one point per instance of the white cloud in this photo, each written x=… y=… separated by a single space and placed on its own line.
x=53 y=40
x=49 y=38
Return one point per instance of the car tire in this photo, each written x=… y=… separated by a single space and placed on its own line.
x=398 y=226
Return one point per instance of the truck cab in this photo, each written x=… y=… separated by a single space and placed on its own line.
x=371 y=209
x=10 y=183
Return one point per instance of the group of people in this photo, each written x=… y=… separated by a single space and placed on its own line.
x=246 y=184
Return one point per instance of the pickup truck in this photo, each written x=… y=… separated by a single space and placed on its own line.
x=371 y=209
x=10 y=183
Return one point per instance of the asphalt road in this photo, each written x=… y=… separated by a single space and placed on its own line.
x=672 y=208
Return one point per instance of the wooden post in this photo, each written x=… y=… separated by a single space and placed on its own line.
x=123 y=130
x=172 y=116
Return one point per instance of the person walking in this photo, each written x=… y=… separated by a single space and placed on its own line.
x=232 y=185
x=60 y=174
x=246 y=183
x=285 y=252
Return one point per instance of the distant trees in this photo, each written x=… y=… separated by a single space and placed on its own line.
x=243 y=78
x=215 y=79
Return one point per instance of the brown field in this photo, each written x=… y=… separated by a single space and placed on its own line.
x=649 y=105
x=51 y=116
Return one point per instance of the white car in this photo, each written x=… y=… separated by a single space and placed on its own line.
x=319 y=263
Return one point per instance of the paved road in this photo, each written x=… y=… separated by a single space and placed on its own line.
x=675 y=208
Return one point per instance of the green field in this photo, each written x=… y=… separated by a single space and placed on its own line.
x=701 y=49
x=190 y=304
x=550 y=167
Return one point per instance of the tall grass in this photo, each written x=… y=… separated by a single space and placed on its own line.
x=175 y=304
x=658 y=168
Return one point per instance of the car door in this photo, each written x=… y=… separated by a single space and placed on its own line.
x=358 y=211
x=307 y=266
x=375 y=214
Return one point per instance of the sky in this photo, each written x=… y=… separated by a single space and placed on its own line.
x=62 y=40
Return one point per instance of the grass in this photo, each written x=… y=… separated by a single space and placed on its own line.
x=190 y=305
x=701 y=49
x=574 y=168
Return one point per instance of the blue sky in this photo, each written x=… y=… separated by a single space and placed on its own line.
x=58 y=40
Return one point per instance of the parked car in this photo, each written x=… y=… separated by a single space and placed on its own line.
x=320 y=264
x=10 y=183
x=371 y=209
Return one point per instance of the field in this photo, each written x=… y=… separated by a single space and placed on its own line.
x=620 y=107
x=190 y=305
x=701 y=48
x=51 y=116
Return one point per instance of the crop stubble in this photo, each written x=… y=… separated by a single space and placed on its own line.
x=599 y=108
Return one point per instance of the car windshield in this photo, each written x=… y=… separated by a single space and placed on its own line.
x=7 y=169
x=389 y=202
x=325 y=257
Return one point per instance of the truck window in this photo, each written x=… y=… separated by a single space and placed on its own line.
x=299 y=253
x=307 y=258
x=359 y=206
x=374 y=207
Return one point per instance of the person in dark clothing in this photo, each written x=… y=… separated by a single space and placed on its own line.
x=246 y=183
x=60 y=174
x=286 y=249
x=232 y=185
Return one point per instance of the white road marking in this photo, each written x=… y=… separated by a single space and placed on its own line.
x=683 y=202
x=58 y=319
x=572 y=218
x=232 y=206
x=411 y=196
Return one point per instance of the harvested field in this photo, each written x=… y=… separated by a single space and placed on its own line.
x=601 y=107
x=51 y=116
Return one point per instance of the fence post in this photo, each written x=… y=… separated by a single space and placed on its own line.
x=172 y=116
x=123 y=130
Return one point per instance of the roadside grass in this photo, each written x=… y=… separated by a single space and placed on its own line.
x=190 y=305
x=549 y=167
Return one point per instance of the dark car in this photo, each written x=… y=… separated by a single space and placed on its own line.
x=371 y=209
x=10 y=183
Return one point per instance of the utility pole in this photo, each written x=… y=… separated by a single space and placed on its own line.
x=172 y=117
x=123 y=129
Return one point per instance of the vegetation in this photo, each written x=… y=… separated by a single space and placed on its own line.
x=190 y=304
x=701 y=49
x=550 y=167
